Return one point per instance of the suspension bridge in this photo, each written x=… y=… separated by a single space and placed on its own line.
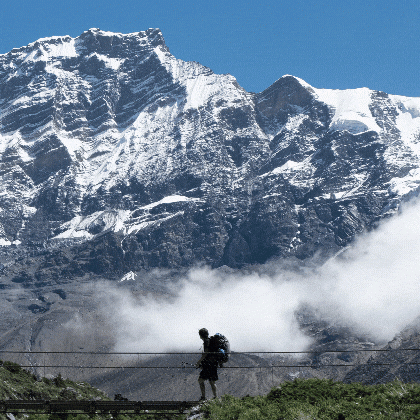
x=140 y=375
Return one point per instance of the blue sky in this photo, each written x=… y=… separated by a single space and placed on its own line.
x=329 y=44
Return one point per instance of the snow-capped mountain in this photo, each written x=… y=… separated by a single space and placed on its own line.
x=119 y=157
x=116 y=157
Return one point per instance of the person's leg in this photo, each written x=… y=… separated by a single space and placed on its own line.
x=213 y=388
x=202 y=388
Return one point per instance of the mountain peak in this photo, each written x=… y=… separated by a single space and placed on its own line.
x=92 y=40
x=291 y=83
x=154 y=35
x=283 y=93
x=114 y=43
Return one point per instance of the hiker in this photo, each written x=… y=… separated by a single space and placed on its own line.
x=208 y=363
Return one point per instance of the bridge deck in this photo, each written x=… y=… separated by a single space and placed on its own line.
x=86 y=406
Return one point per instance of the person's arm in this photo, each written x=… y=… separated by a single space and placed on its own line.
x=203 y=356
x=201 y=359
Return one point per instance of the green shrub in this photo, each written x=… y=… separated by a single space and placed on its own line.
x=324 y=400
x=59 y=381
x=17 y=383
x=47 y=381
x=12 y=367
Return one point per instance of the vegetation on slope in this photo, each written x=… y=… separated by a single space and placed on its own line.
x=18 y=383
x=321 y=399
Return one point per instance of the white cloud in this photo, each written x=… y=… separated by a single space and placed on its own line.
x=255 y=312
x=374 y=288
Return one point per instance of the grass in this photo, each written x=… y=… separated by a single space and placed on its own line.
x=17 y=383
x=313 y=399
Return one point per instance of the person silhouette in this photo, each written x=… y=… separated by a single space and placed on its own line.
x=208 y=364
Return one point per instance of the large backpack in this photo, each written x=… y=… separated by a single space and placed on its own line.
x=219 y=345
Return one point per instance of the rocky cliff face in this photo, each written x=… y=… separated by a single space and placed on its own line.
x=121 y=157
x=398 y=360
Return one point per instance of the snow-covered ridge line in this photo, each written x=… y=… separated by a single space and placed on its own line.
x=115 y=220
x=351 y=111
x=65 y=46
x=350 y=108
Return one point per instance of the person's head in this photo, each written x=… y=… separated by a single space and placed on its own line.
x=203 y=333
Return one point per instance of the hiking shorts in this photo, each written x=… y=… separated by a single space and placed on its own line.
x=209 y=371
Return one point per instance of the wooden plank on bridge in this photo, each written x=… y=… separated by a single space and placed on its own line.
x=88 y=406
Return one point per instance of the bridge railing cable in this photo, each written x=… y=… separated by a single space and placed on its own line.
x=142 y=360
x=121 y=372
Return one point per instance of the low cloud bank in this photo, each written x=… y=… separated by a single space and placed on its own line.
x=374 y=288
x=375 y=285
